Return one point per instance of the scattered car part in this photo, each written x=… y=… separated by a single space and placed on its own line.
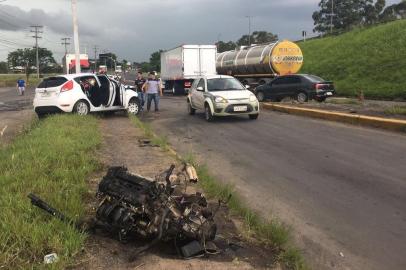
x=134 y=206
x=51 y=258
x=191 y=173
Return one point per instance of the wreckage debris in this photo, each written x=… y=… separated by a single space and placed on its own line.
x=132 y=206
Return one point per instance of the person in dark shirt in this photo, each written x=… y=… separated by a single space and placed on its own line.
x=139 y=82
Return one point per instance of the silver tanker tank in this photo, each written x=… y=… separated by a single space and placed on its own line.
x=268 y=60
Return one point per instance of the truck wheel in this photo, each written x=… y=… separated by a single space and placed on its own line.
x=260 y=96
x=301 y=97
x=81 y=108
x=207 y=114
x=190 y=109
x=133 y=106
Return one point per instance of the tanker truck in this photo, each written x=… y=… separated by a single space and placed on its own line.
x=259 y=64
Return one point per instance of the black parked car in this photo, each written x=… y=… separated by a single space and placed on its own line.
x=302 y=87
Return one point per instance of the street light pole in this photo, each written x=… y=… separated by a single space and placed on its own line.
x=249 y=30
x=76 y=35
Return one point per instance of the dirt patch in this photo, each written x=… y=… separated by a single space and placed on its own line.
x=377 y=108
x=121 y=147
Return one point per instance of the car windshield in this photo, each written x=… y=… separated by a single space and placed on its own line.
x=314 y=78
x=224 y=84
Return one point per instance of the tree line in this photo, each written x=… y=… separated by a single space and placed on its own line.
x=343 y=15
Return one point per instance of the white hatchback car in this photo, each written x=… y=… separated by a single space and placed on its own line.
x=83 y=93
x=220 y=95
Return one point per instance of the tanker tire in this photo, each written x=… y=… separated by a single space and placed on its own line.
x=302 y=97
x=261 y=96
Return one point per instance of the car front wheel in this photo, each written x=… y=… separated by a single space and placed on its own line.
x=253 y=116
x=133 y=106
x=190 y=109
x=261 y=96
x=81 y=108
x=207 y=113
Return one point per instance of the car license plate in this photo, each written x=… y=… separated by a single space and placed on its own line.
x=45 y=94
x=329 y=94
x=240 y=108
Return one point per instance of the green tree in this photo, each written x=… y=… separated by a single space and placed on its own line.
x=27 y=58
x=3 y=67
x=225 y=46
x=257 y=37
x=155 y=61
x=346 y=14
x=394 y=12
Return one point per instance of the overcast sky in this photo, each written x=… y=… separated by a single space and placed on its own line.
x=133 y=29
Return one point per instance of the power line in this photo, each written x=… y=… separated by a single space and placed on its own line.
x=36 y=29
x=66 y=43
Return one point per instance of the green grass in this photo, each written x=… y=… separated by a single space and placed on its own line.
x=52 y=159
x=10 y=80
x=396 y=110
x=370 y=59
x=273 y=233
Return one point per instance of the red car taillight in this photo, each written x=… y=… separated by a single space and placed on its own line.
x=67 y=86
x=188 y=84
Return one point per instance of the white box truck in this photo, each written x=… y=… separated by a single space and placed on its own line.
x=181 y=65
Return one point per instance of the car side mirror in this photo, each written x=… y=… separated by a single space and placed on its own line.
x=247 y=86
x=200 y=89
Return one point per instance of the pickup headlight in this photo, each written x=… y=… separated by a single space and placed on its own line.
x=253 y=98
x=218 y=99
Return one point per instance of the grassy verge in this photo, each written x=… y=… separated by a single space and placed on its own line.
x=396 y=110
x=273 y=233
x=10 y=80
x=53 y=160
x=365 y=59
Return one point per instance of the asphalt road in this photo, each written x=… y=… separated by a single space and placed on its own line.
x=15 y=112
x=342 y=188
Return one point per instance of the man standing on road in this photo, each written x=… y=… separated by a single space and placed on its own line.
x=139 y=83
x=21 y=87
x=152 y=87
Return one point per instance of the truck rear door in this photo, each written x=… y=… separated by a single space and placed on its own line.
x=191 y=61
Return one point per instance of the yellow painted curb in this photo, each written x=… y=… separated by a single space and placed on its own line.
x=355 y=119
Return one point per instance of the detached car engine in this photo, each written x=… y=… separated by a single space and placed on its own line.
x=132 y=206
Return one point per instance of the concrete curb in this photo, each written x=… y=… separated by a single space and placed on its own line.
x=354 y=119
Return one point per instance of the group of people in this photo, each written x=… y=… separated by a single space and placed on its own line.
x=149 y=90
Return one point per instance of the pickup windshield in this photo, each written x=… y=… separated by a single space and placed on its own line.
x=224 y=84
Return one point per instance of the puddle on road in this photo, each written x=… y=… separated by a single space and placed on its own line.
x=16 y=105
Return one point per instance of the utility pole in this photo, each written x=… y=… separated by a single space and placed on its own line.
x=331 y=16
x=36 y=29
x=76 y=35
x=65 y=41
x=95 y=57
x=249 y=29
